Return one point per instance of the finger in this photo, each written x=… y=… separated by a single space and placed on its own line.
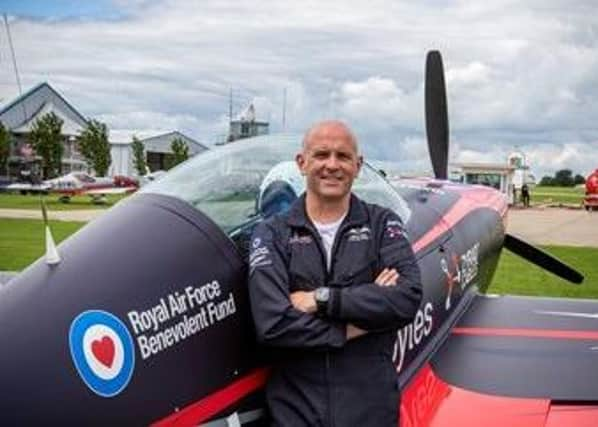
x=382 y=277
x=381 y=274
x=394 y=277
x=391 y=278
x=387 y=281
x=387 y=274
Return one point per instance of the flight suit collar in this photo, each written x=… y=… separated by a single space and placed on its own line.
x=298 y=215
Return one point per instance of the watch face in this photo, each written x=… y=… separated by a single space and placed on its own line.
x=322 y=294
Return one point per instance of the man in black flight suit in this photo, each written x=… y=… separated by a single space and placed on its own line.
x=330 y=282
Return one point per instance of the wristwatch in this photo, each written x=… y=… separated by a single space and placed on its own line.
x=322 y=295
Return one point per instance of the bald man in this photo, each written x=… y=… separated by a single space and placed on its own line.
x=330 y=282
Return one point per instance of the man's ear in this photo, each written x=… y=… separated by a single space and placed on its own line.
x=300 y=160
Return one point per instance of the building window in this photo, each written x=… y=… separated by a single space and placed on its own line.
x=488 y=179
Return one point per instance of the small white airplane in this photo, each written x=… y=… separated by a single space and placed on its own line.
x=78 y=183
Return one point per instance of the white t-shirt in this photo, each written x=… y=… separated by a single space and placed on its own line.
x=328 y=233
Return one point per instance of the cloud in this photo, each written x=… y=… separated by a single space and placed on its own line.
x=375 y=99
x=518 y=73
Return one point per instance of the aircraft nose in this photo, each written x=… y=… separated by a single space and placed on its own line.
x=147 y=310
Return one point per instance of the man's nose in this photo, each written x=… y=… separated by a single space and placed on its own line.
x=332 y=162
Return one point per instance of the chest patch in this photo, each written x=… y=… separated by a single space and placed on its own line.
x=394 y=229
x=298 y=239
x=359 y=234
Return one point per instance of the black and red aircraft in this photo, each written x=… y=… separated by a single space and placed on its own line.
x=146 y=321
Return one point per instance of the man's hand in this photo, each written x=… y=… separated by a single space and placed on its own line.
x=304 y=301
x=387 y=277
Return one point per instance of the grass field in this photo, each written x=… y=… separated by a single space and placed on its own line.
x=568 y=195
x=539 y=195
x=22 y=242
x=30 y=201
x=516 y=276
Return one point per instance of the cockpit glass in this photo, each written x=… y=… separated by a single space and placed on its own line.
x=237 y=183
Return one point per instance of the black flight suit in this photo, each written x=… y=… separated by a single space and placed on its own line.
x=322 y=379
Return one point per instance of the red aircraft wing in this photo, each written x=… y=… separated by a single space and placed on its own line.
x=512 y=361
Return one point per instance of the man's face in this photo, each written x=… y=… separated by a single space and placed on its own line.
x=330 y=162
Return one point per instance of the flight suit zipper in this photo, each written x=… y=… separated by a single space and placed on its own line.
x=327 y=275
x=330 y=274
x=330 y=391
x=320 y=245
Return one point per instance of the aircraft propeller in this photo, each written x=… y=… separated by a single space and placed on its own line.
x=542 y=259
x=437 y=129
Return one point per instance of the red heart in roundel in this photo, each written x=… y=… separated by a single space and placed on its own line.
x=103 y=350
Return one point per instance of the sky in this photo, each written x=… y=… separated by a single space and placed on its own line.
x=520 y=74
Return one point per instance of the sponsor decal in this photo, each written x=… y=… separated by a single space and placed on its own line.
x=412 y=335
x=461 y=270
x=179 y=316
x=452 y=277
x=469 y=265
x=422 y=397
x=102 y=351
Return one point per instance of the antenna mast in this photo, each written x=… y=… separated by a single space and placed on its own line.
x=14 y=62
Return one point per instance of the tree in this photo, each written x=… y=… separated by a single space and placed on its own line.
x=578 y=179
x=4 y=148
x=564 y=178
x=180 y=152
x=95 y=148
x=547 y=181
x=138 y=156
x=47 y=141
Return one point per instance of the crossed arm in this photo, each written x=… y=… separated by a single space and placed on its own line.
x=286 y=319
x=305 y=301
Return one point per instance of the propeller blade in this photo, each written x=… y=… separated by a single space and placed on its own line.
x=437 y=127
x=542 y=259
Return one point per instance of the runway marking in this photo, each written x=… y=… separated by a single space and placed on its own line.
x=568 y=314
x=528 y=333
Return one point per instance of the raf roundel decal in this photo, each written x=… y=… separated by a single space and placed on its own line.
x=102 y=351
